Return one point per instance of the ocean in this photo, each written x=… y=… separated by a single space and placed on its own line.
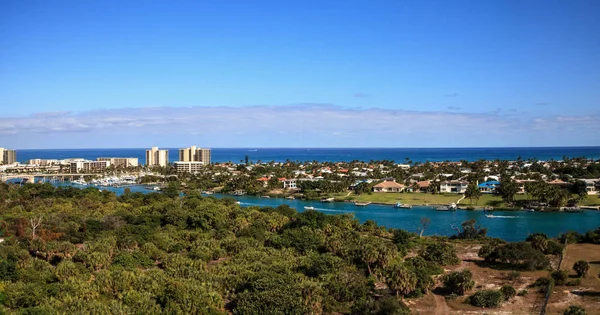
x=399 y=155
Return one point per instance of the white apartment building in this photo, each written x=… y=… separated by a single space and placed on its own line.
x=8 y=156
x=195 y=154
x=120 y=161
x=190 y=167
x=43 y=162
x=156 y=157
x=88 y=166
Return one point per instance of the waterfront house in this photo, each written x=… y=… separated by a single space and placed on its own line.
x=289 y=183
x=453 y=186
x=489 y=187
x=423 y=185
x=521 y=184
x=388 y=186
x=592 y=186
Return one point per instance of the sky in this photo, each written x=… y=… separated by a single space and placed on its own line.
x=310 y=73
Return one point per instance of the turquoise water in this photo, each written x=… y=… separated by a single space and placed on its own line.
x=507 y=225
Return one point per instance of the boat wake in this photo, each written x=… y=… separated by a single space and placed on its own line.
x=501 y=216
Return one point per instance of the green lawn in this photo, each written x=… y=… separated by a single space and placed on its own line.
x=592 y=200
x=486 y=200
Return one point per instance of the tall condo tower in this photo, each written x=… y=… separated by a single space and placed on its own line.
x=156 y=157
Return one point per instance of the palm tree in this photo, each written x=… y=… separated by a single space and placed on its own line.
x=400 y=279
x=472 y=192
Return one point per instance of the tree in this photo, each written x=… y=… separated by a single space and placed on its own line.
x=508 y=189
x=581 y=268
x=425 y=222
x=441 y=253
x=458 y=282
x=470 y=230
x=473 y=192
x=400 y=279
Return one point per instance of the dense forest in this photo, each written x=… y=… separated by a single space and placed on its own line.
x=67 y=250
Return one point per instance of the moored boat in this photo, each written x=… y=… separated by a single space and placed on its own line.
x=402 y=205
x=573 y=209
x=327 y=199
x=362 y=204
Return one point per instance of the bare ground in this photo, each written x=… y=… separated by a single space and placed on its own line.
x=586 y=295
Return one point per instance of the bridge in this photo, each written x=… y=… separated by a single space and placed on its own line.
x=30 y=178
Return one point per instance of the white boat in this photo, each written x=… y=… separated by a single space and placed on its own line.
x=362 y=204
x=239 y=203
x=530 y=210
x=156 y=188
x=453 y=206
x=402 y=205
x=442 y=208
x=309 y=208
x=327 y=200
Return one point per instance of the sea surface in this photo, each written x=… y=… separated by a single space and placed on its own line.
x=399 y=155
x=508 y=225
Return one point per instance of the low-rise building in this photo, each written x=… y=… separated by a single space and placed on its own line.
x=88 y=166
x=521 y=184
x=592 y=186
x=290 y=183
x=388 y=186
x=453 y=186
x=120 y=161
x=190 y=167
x=43 y=162
x=489 y=187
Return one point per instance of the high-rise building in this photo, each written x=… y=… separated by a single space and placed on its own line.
x=194 y=154
x=8 y=156
x=156 y=157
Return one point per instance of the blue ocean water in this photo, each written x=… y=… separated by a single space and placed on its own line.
x=399 y=155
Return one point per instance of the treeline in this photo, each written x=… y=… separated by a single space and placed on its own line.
x=68 y=250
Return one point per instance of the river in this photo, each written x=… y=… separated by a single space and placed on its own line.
x=507 y=225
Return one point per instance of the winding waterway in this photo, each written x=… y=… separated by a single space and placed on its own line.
x=507 y=225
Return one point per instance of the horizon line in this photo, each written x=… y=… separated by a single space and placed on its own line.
x=270 y=148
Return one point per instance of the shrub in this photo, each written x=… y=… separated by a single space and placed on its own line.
x=513 y=275
x=520 y=254
x=573 y=283
x=560 y=277
x=523 y=293
x=575 y=310
x=452 y=296
x=581 y=268
x=508 y=291
x=440 y=253
x=487 y=298
x=459 y=281
x=553 y=248
x=540 y=282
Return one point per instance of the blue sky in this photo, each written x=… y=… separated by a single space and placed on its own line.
x=299 y=73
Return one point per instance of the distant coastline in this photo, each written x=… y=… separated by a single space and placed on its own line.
x=399 y=155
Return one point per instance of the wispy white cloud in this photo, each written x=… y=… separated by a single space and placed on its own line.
x=293 y=125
